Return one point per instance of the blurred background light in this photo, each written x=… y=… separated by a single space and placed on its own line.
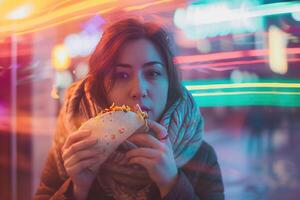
x=229 y=55
x=204 y=46
x=82 y=44
x=50 y=13
x=245 y=92
x=296 y=15
x=214 y=19
x=277 y=50
x=234 y=56
x=81 y=70
x=63 y=79
x=60 y=58
x=21 y=12
x=204 y=20
x=54 y=93
x=238 y=76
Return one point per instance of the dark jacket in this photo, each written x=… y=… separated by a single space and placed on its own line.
x=199 y=179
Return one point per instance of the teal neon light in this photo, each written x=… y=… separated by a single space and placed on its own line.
x=200 y=21
x=267 y=92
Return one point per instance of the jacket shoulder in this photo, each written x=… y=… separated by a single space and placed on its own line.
x=203 y=171
x=206 y=153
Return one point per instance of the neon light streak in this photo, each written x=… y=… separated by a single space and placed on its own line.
x=249 y=99
x=67 y=14
x=242 y=85
x=234 y=14
x=268 y=92
x=145 y=5
x=43 y=27
x=44 y=20
x=233 y=63
x=228 y=55
x=247 y=92
x=275 y=9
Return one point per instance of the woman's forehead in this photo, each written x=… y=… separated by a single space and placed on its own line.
x=141 y=50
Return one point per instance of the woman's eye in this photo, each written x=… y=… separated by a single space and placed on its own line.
x=121 y=75
x=153 y=74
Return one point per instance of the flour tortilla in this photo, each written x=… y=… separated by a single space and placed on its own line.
x=112 y=128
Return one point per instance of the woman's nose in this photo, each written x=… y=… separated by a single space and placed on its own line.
x=138 y=88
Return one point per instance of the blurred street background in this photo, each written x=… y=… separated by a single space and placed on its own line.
x=239 y=58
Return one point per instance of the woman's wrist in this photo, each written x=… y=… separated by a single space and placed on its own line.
x=166 y=188
x=80 y=193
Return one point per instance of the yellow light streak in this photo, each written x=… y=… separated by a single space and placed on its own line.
x=241 y=93
x=62 y=22
x=242 y=85
x=140 y=7
x=53 y=6
x=54 y=17
x=22 y=25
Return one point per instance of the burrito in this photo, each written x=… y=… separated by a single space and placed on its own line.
x=113 y=126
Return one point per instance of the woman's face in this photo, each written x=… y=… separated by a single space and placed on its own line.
x=140 y=78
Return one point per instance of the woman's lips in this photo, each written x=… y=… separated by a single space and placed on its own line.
x=145 y=109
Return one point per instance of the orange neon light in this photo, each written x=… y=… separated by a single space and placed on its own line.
x=145 y=5
x=60 y=14
x=56 y=17
x=62 y=22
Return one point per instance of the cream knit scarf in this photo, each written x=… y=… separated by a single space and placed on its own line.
x=182 y=120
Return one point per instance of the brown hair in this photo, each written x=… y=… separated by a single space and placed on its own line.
x=105 y=55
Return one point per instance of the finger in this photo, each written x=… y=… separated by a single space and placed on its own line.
x=81 y=145
x=116 y=157
x=75 y=137
x=124 y=160
x=78 y=167
x=80 y=156
x=146 y=140
x=159 y=130
x=143 y=152
x=147 y=163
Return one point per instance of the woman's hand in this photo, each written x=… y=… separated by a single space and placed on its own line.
x=79 y=157
x=156 y=155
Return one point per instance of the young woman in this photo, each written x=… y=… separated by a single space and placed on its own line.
x=132 y=64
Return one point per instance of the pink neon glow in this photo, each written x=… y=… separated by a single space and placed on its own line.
x=233 y=63
x=228 y=55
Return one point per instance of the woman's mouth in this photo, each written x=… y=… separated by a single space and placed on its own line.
x=145 y=109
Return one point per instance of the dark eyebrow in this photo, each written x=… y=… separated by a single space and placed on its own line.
x=152 y=63
x=123 y=65
x=147 y=64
